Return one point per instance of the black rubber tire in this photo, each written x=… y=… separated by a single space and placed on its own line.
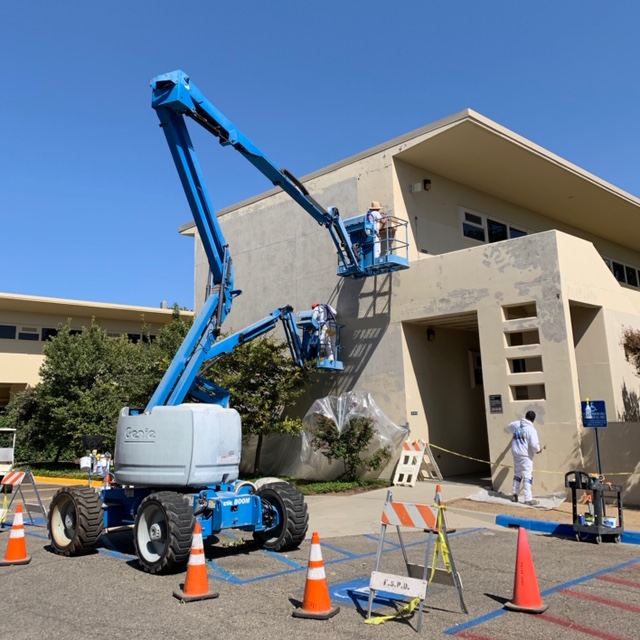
x=75 y=521
x=163 y=532
x=294 y=518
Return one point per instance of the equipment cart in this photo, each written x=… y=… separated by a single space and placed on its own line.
x=596 y=491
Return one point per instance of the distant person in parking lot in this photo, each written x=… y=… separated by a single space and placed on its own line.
x=524 y=446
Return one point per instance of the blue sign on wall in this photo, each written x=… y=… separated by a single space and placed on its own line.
x=594 y=413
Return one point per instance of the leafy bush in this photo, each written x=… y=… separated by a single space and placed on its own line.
x=349 y=444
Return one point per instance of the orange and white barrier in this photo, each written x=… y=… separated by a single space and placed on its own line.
x=17 y=548
x=14 y=478
x=316 y=603
x=407 y=514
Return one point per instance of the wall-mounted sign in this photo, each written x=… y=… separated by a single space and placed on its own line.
x=495 y=404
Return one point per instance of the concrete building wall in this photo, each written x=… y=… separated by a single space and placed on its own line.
x=540 y=316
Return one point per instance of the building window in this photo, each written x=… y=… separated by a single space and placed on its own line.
x=481 y=228
x=623 y=273
x=29 y=333
x=134 y=337
x=475 y=369
x=525 y=365
x=520 y=338
x=519 y=311
x=7 y=332
x=528 y=392
x=48 y=333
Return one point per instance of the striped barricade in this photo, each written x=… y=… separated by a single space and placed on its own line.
x=409 y=463
x=415 y=583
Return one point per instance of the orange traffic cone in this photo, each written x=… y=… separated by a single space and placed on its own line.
x=438 y=496
x=17 y=548
x=526 y=595
x=316 y=602
x=196 y=584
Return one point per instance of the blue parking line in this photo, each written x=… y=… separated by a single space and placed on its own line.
x=223 y=574
x=280 y=558
x=565 y=585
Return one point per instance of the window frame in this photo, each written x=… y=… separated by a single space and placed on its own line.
x=512 y=231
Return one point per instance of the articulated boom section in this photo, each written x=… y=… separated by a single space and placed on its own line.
x=355 y=239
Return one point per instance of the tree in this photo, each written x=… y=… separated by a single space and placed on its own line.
x=631 y=346
x=262 y=380
x=349 y=444
x=631 y=402
x=85 y=379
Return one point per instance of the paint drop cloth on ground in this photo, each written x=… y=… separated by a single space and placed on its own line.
x=552 y=501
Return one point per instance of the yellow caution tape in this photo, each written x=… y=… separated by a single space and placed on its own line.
x=3 y=517
x=510 y=466
x=406 y=610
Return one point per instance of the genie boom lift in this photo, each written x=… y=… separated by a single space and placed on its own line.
x=177 y=460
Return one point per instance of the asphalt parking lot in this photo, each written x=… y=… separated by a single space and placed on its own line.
x=591 y=590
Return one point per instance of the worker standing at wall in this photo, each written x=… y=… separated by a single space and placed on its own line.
x=325 y=321
x=524 y=446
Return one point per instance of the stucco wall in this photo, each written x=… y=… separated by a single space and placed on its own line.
x=281 y=257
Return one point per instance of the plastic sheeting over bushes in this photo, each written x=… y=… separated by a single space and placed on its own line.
x=295 y=457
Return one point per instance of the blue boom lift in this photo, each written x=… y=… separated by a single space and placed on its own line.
x=177 y=461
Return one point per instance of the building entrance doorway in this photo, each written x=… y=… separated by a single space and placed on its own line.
x=447 y=362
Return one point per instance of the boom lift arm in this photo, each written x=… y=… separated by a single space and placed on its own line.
x=175 y=96
x=175 y=92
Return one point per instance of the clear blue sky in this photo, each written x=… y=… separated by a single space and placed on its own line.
x=90 y=201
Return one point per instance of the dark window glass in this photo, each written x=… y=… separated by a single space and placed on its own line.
x=632 y=276
x=497 y=231
x=475 y=233
x=470 y=217
x=48 y=333
x=519 y=366
x=516 y=233
x=75 y=332
x=134 y=337
x=7 y=332
x=618 y=272
x=28 y=336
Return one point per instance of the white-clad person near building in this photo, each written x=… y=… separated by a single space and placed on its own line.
x=375 y=216
x=324 y=320
x=524 y=446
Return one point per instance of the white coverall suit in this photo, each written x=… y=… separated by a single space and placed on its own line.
x=324 y=319
x=524 y=446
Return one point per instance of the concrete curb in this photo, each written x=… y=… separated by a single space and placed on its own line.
x=555 y=528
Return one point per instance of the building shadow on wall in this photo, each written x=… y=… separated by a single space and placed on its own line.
x=364 y=313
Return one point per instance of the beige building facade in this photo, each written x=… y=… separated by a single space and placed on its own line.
x=523 y=275
x=26 y=322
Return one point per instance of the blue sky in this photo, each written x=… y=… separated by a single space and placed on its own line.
x=90 y=201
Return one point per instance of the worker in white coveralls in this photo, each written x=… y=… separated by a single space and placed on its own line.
x=524 y=446
x=376 y=218
x=324 y=321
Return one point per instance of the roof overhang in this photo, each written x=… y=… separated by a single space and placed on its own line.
x=80 y=308
x=473 y=150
